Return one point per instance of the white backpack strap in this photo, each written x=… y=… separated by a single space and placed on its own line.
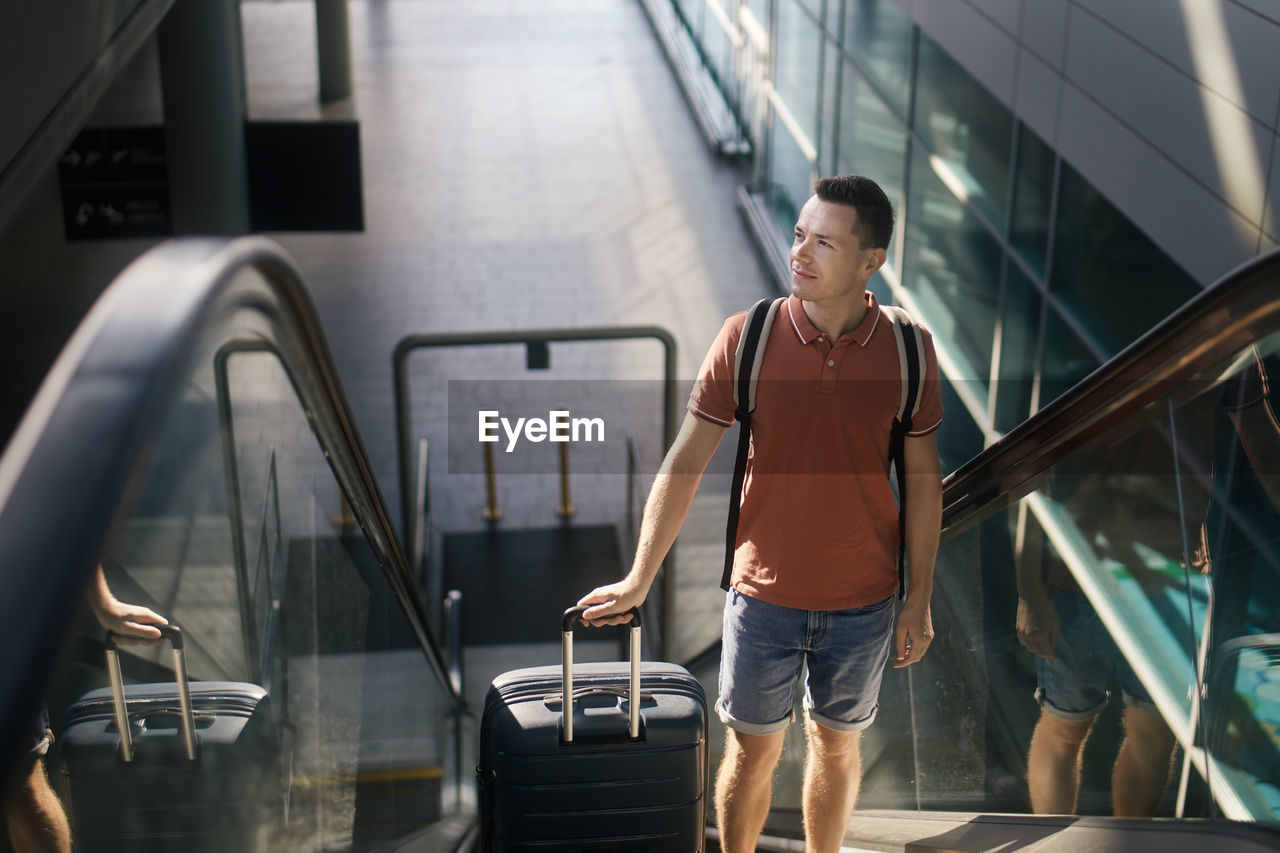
x=906 y=334
x=750 y=353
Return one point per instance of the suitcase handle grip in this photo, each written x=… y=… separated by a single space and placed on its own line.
x=573 y=616
x=169 y=632
x=173 y=634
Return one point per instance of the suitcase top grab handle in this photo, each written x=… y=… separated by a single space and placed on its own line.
x=173 y=634
x=572 y=616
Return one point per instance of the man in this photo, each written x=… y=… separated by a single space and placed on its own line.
x=814 y=567
x=34 y=814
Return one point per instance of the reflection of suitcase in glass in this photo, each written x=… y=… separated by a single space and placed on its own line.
x=612 y=775
x=198 y=768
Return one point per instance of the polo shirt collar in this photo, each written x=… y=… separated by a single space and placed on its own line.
x=807 y=332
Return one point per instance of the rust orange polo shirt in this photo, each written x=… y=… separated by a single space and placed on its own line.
x=818 y=528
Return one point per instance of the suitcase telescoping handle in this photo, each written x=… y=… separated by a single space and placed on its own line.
x=172 y=633
x=571 y=617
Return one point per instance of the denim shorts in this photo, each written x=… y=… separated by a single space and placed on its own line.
x=1074 y=687
x=766 y=646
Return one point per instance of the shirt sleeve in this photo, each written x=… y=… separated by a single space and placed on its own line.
x=929 y=416
x=712 y=396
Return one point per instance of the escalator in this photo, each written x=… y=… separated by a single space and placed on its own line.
x=193 y=441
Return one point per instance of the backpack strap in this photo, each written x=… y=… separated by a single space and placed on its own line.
x=906 y=333
x=746 y=373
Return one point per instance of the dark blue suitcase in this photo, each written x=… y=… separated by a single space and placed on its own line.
x=173 y=767
x=613 y=776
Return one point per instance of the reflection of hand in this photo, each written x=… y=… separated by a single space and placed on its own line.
x=1200 y=557
x=1038 y=625
x=611 y=604
x=133 y=623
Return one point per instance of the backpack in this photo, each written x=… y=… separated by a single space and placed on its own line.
x=746 y=370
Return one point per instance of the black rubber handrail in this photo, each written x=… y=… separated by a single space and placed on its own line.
x=75 y=454
x=1236 y=311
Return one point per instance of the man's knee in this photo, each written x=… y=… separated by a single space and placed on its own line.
x=753 y=752
x=831 y=741
x=1059 y=731
x=1146 y=731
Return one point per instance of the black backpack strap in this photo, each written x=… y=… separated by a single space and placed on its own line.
x=746 y=372
x=910 y=357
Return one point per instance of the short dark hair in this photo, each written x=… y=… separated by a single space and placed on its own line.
x=874 y=223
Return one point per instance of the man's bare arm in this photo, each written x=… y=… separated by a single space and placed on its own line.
x=128 y=620
x=664 y=514
x=914 y=629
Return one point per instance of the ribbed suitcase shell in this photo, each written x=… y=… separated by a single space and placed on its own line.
x=603 y=793
x=230 y=798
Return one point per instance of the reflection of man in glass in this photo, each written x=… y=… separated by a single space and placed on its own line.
x=32 y=811
x=1076 y=659
x=1240 y=549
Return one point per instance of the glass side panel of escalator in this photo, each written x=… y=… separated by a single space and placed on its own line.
x=1147 y=563
x=1155 y=547
x=316 y=714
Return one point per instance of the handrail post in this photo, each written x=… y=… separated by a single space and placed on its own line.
x=420 y=554
x=491 y=512
x=565 y=509
x=453 y=630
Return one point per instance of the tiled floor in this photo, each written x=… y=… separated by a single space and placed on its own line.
x=526 y=165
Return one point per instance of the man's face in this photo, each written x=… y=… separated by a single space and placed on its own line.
x=827 y=261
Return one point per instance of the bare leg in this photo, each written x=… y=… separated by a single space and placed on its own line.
x=1142 y=767
x=1053 y=764
x=37 y=823
x=744 y=788
x=832 y=775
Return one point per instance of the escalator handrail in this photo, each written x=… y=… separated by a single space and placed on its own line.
x=100 y=408
x=1237 y=310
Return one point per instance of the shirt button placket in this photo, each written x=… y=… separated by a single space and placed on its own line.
x=829 y=371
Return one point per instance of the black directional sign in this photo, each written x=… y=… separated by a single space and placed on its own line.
x=115 y=183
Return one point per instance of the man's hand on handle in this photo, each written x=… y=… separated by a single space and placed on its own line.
x=610 y=603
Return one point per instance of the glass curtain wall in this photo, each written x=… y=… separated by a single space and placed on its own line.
x=1029 y=279
x=1000 y=244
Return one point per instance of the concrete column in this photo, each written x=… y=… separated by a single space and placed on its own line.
x=333 y=48
x=202 y=81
